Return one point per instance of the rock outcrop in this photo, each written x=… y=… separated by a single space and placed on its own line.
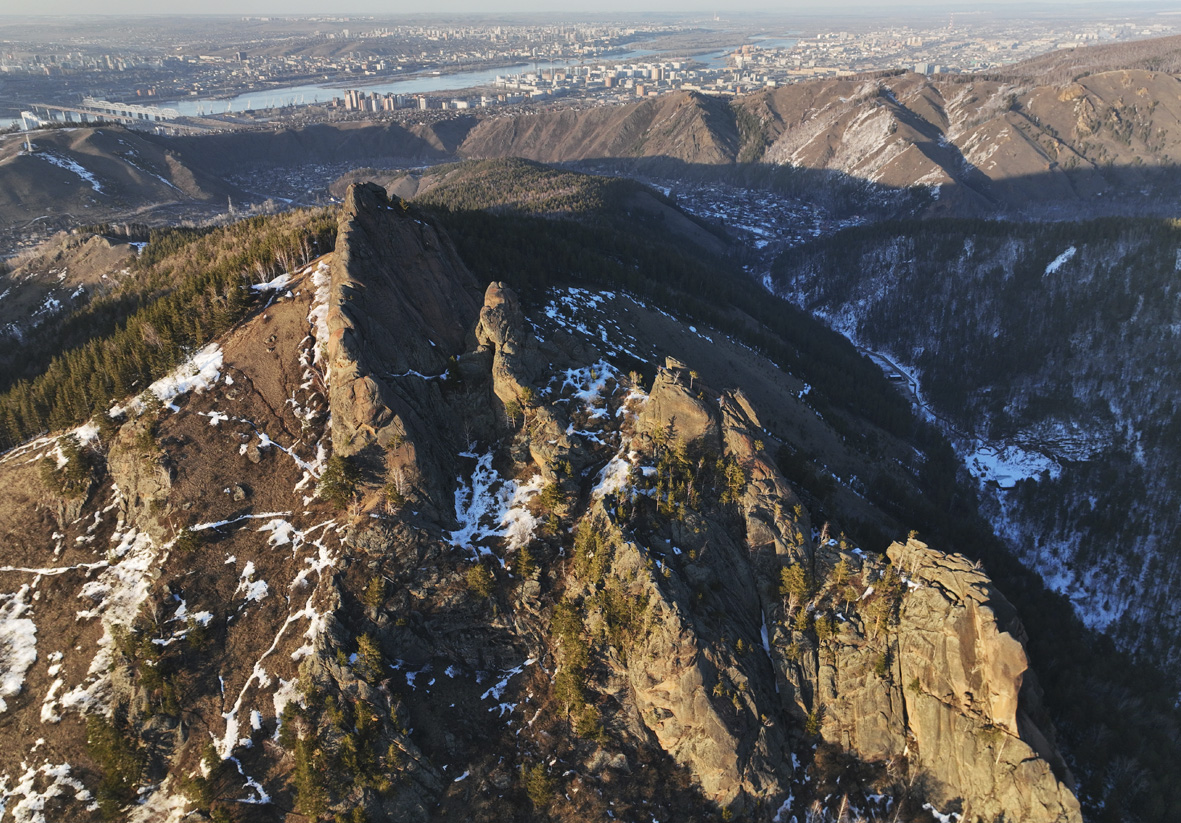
x=925 y=661
x=502 y=331
x=699 y=696
x=918 y=659
x=143 y=475
x=968 y=706
x=673 y=410
x=400 y=312
x=402 y=303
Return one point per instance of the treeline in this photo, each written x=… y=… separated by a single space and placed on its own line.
x=188 y=286
x=134 y=232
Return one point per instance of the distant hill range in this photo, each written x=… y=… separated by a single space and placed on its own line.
x=1090 y=132
x=990 y=145
x=1066 y=65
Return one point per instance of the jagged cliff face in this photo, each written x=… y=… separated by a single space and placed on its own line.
x=549 y=588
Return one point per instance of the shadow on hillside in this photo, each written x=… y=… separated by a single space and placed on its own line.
x=1058 y=193
x=365 y=143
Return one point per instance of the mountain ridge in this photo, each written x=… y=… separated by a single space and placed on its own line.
x=1001 y=145
x=671 y=583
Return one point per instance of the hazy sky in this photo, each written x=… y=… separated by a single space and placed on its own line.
x=387 y=7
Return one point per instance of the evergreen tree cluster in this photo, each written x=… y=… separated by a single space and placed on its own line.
x=188 y=286
x=76 y=475
x=525 y=187
x=119 y=759
x=340 y=743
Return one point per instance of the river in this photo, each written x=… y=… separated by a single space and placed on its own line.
x=717 y=59
x=418 y=84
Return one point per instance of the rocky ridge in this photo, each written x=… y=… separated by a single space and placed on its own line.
x=984 y=145
x=549 y=590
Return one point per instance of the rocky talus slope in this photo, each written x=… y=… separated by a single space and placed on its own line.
x=530 y=587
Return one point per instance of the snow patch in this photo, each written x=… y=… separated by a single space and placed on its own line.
x=254 y=590
x=18 y=643
x=199 y=373
x=161 y=805
x=218 y=524
x=318 y=315
x=1061 y=260
x=278 y=284
x=950 y=817
x=784 y=809
x=317 y=622
x=216 y=417
x=260 y=795
x=491 y=507
x=117 y=594
x=286 y=693
x=497 y=691
x=71 y=166
x=49 y=707
x=613 y=478
x=30 y=808
x=281 y=532
x=588 y=385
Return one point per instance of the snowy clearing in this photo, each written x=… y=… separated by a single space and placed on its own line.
x=1006 y=465
x=491 y=507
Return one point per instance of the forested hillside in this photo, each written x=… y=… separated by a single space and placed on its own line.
x=1061 y=340
x=187 y=286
